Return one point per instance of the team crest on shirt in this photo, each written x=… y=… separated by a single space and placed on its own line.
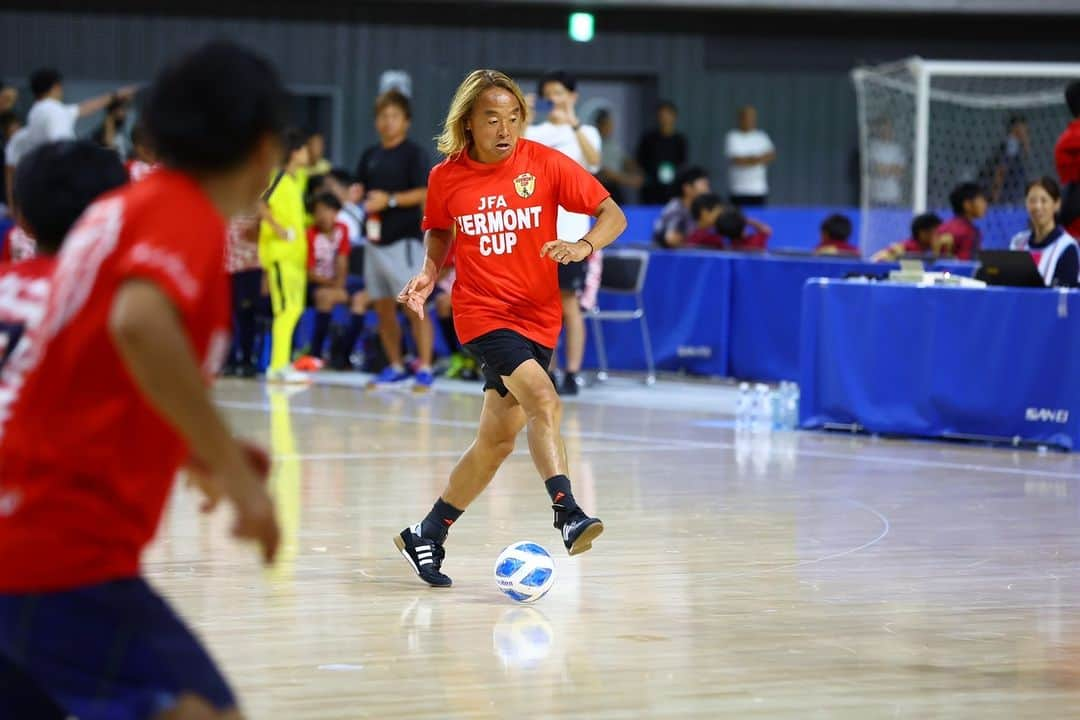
x=525 y=184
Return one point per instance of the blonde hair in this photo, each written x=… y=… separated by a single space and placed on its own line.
x=454 y=138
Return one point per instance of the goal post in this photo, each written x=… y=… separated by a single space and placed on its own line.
x=927 y=125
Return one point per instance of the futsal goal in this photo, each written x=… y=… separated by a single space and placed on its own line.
x=926 y=126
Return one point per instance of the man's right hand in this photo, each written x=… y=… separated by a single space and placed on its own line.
x=255 y=519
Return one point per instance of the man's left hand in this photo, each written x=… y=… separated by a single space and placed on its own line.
x=566 y=252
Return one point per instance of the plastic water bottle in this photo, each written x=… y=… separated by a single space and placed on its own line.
x=791 y=406
x=743 y=407
x=776 y=409
x=761 y=419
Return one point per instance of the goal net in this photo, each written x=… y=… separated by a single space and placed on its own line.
x=926 y=126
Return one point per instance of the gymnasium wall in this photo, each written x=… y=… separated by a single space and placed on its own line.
x=793 y=67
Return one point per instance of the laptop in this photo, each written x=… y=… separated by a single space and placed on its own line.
x=1014 y=268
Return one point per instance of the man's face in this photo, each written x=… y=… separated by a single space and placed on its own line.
x=747 y=119
x=8 y=98
x=316 y=147
x=391 y=123
x=325 y=217
x=666 y=119
x=699 y=187
x=557 y=94
x=495 y=124
x=976 y=207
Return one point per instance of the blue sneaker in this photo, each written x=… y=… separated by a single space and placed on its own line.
x=423 y=381
x=388 y=377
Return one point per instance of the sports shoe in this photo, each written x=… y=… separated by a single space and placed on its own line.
x=578 y=529
x=424 y=555
x=456 y=366
x=388 y=377
x=423 y=380
x=569 y=384
x=309 y=363
x=287 y=377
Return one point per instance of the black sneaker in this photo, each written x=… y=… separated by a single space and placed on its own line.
x=569 y=385
x=578 y=529
x=424 y=555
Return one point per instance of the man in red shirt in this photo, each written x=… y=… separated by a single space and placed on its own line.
x=53 y=185
x=135 y=327
x=1067 y=160
x=495 y=199
x=923 y=241
x=958 y=235
x=835 y=231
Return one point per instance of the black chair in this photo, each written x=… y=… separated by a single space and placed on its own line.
x=624 y=274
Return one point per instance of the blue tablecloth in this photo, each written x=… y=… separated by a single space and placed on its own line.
x=942 y=362
x=687 y=298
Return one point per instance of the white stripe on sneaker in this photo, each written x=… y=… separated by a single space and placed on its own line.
x=405 y=554
x=427 y=561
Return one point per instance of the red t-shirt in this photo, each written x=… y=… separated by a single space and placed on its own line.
x=958 y=237
x=835 y=247
x=85 y=463
x=1067 y=154
x=754 y=241
x=504 y=213
x=706 y=237
x=324 y=248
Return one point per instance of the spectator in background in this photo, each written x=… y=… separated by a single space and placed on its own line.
x=9 y=125
x=143 y=159
x=50 y=119
x=923 y=241
x=563 y=131
x=742 y=234
x=618 y=171
x=676 y=221
x=888 y=164
x=1067 y=161
x=110 y=133
x=1009 y=173
x=835 y=233
x=246 y=279
x=660 y=154
x=958 y=237
x=9 y=95
x=316 y=147
x=749 y=152
x=1054 y=250
x=283 y=254
x=328 y=268
x=706 y=210
x=394 y=174
x=17 y=146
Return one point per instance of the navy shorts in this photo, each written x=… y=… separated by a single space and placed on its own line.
x=114 y=651
x=501 y=352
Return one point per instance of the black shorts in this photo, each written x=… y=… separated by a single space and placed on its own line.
x=501 y=352
x=572 y=276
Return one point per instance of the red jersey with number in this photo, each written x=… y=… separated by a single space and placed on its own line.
x=86 y=464
x=325 y=248
x=24 y=292
x=504 y=213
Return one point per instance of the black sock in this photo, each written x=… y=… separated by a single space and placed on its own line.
x=558 y=488
x=438 y=521
x=318 y=335
x=356 y=327
x=449 y=334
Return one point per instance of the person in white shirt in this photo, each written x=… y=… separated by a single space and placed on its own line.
x=49 y=118
x=562 y=130
x=749 y=152
x=888 y=164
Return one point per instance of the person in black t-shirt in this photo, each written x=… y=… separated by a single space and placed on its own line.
x=661 y=153
x=394 y=174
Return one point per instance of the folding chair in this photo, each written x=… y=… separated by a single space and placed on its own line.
x=623 y=274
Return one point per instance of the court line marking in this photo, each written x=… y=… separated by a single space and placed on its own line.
x=417 y=454
x=671 y=443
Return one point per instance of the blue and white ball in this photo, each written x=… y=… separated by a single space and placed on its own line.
x=524 y=571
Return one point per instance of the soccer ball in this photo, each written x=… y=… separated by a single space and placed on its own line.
x=524 y=571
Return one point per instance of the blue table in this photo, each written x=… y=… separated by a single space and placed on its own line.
x=942 y=362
